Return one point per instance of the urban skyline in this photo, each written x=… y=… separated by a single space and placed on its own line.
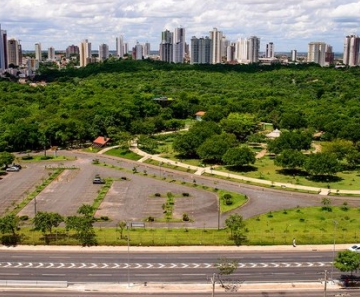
x=290 y=25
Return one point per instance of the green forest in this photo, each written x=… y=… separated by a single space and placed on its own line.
x=115 y=98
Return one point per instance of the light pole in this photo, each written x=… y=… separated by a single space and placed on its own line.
x=128 y=259
x=332 y=267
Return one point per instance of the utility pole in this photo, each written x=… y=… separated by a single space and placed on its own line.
x=213 y=285
x=325 y=283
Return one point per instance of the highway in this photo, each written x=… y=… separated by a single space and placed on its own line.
x=165 y=267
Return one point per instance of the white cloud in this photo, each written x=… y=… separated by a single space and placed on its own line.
x=286 y=23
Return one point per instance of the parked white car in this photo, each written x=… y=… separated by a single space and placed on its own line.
x=355 y=248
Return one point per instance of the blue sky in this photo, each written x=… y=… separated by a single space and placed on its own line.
x=288 y=24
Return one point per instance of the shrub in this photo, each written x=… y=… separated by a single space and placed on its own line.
x=24 y=218
x=27 y=157
x=104 y=218
x=150 y=219
x=186 y=217
x=185 y=194
x=157 y=195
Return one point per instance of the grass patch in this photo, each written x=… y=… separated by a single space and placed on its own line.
x=102 y=193
x=37 y=158
x=170 y=166
x=237 y=200
x=310 y=225
x=123 y=153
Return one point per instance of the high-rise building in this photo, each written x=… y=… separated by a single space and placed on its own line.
x=146 y=49
x=38 y=52
x=138 y=51
x=72 y=50
x=51 y=53
x=120 y=50
x=3 y=50
x=253 y=49
x=200 y=50
x=351 y=50
x=316 y=53
x=269 y=52
x=179 y=45
x=293 y=55
x=103 y=52
x=166 y=46
x=216 y=37
x=241 y=51
x=329 y=55
x=85 y=53
x=13 y=53
x=230 y=53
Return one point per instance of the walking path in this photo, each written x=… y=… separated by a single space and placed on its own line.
x=210 y=170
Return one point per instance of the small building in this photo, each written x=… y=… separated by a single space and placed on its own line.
x=274 y=134
x=101 y=141
x=199 y=115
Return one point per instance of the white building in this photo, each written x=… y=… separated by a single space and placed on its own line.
x=38 y=52
x=51 y=53
x=179 y=45
x=216 y=37
x=13 y=52
x=85 y=53
x=316 y=53
x=269 y=52
x=351 y=50
x=120 y=48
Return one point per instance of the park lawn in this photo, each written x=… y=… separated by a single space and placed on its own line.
x=123 y=153
x=265 y=169
x=311 y=225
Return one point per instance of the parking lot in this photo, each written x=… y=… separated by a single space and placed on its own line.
x=131 y=199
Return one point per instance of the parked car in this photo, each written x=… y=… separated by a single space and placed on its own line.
x=12 y=169
x=16 y=165
x=98 y=180
x=355 y=248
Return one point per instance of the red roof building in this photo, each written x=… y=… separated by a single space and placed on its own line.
x=101 y=141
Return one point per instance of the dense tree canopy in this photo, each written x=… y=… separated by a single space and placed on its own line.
x=77 y=105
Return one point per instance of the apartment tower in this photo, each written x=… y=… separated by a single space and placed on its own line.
x=351 y=50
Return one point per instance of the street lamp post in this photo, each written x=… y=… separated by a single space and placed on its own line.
x=128 y=252
x=332 y=267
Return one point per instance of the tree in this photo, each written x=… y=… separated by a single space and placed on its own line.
x=326 y=204
x=45 y=221
x=322 y=164
x=86 y=210
x=214 y=147
x=236 y=225
x=6 y=158
x=9 y=224
x=240 y=124
x=290 y=159
x=347 y=261
x=83 y=225
x=290 y=140
x=122 y=225
x=239 y=156
x=339 y=147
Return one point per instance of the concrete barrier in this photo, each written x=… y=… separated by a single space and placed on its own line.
x=29 y=283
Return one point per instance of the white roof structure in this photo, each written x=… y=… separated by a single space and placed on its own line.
x=274 y=134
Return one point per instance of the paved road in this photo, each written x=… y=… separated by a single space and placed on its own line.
x=258 y=293
x=186 y=267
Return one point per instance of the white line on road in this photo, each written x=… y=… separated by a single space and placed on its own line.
x=57 y=274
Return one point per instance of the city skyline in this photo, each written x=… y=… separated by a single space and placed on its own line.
x=289 y=26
